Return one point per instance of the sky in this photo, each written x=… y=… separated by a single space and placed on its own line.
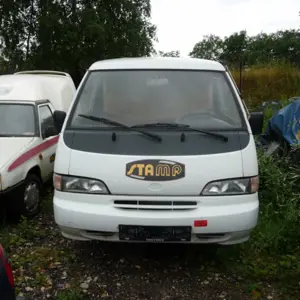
x=183 y=23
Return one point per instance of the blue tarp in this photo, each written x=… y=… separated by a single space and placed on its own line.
x=286 y=123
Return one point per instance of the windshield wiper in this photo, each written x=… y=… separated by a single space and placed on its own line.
x=183 y=126
x=115 y=123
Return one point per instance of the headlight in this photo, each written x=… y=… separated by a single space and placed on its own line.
x=73 y=184
x=236 y=186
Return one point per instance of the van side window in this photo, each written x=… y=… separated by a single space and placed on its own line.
x=46 y=117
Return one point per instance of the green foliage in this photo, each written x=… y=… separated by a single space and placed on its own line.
x=43 y=34
x=211 y=47
x=239 y=48
x=173 y=53
x=69 y=295
x=3 y=65
x=279 y=197
x=235 y=49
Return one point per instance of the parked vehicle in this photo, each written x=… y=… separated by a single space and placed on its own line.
x=7 y=287
x=28 y=136
x=157 y=150
x=282 y=134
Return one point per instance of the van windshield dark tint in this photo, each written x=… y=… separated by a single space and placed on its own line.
x=201 y=99
x=17 y=120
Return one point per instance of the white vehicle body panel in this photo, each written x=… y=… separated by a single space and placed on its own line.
x=11 y=178
x=162 y=63
x=9 y=148
x=111 y=168
x=59 y=90
x=89 y=219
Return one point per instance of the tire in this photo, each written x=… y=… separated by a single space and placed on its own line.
x=29 y=198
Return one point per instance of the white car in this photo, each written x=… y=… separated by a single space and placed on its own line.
x=28 y=136
x=157 y=150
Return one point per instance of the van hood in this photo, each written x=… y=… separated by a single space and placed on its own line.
x=11 y=147
x=121 y=173
x=136 y=166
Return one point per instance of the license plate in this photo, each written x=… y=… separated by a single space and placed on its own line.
x=155 y=233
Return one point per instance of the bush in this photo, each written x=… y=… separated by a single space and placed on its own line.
x=278 y=231
x=273 y=252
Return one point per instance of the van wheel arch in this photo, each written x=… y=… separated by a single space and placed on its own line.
x=35 y=171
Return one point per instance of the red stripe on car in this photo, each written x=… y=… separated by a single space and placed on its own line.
x=32 y=152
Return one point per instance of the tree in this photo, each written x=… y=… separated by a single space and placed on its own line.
x=13 y=31
x=57 y=34
x=287 y=45
x=261 y=49
x=173 y=53
x=239 y=49
x=3 y=65
x=210 y=47
x=235 y=49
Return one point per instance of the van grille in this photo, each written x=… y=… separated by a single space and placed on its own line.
x=155 y=205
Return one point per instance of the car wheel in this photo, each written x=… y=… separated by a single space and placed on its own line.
x=30 y=197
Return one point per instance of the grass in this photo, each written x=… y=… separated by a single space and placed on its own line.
x=35 y=257
x=274 y=251
x=272 y=82
x=69 y=295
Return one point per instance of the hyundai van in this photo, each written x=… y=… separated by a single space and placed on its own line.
x=157 y=150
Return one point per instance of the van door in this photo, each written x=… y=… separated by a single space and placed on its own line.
x=48 y=145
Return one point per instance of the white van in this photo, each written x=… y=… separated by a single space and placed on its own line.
x=157 y=150
x=28 y=136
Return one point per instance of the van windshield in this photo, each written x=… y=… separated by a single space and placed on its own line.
x=17 y=120
x=200 y=99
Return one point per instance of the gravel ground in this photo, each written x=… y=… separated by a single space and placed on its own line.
x=47 y=266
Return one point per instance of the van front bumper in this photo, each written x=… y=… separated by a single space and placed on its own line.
x=230 y=219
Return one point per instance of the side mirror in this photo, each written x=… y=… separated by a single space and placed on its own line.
x=50 y=131
x=256 y=122
x=59 y=118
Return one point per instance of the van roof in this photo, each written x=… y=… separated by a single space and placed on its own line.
x=44 y=72
x=21 y=87
x=157 y=63
x=29 y=87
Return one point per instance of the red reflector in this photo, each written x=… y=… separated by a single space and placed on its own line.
x=200 y=223
x=7 y=267
x=9 y=274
